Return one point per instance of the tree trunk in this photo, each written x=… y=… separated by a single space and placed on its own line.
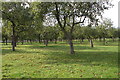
x=6 y=41
x=27 y=41
x=104 y=42
x=39 y=38
x=55 y=41
x=16 y=40
x=22 y=42
x=46 y=42
x=3 y=41
x=30 y=41
x=113 y=39
x=91 y=43
x=15 y=43
x=100 y=39
x=13 y=39
x=71 y=47
x=82 y=39
x=88 y=39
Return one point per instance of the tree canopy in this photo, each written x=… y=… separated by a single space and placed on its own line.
x=50 y=21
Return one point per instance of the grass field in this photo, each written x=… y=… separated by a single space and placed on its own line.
x=54 y=61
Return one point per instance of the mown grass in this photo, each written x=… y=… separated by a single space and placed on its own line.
x=54 y=61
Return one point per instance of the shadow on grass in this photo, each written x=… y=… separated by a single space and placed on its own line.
x=63 y=47
x=85 y=58
x=18 y=51
x=98 y=58
x=50 y=47
x=60 y=79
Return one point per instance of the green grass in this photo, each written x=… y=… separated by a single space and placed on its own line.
x=54 y=61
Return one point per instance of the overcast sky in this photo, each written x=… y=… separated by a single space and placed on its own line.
x=112 y=13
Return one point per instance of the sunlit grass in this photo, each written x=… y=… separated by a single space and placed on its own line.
x=54 y=61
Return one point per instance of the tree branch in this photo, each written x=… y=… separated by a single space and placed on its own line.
x=81 y=21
